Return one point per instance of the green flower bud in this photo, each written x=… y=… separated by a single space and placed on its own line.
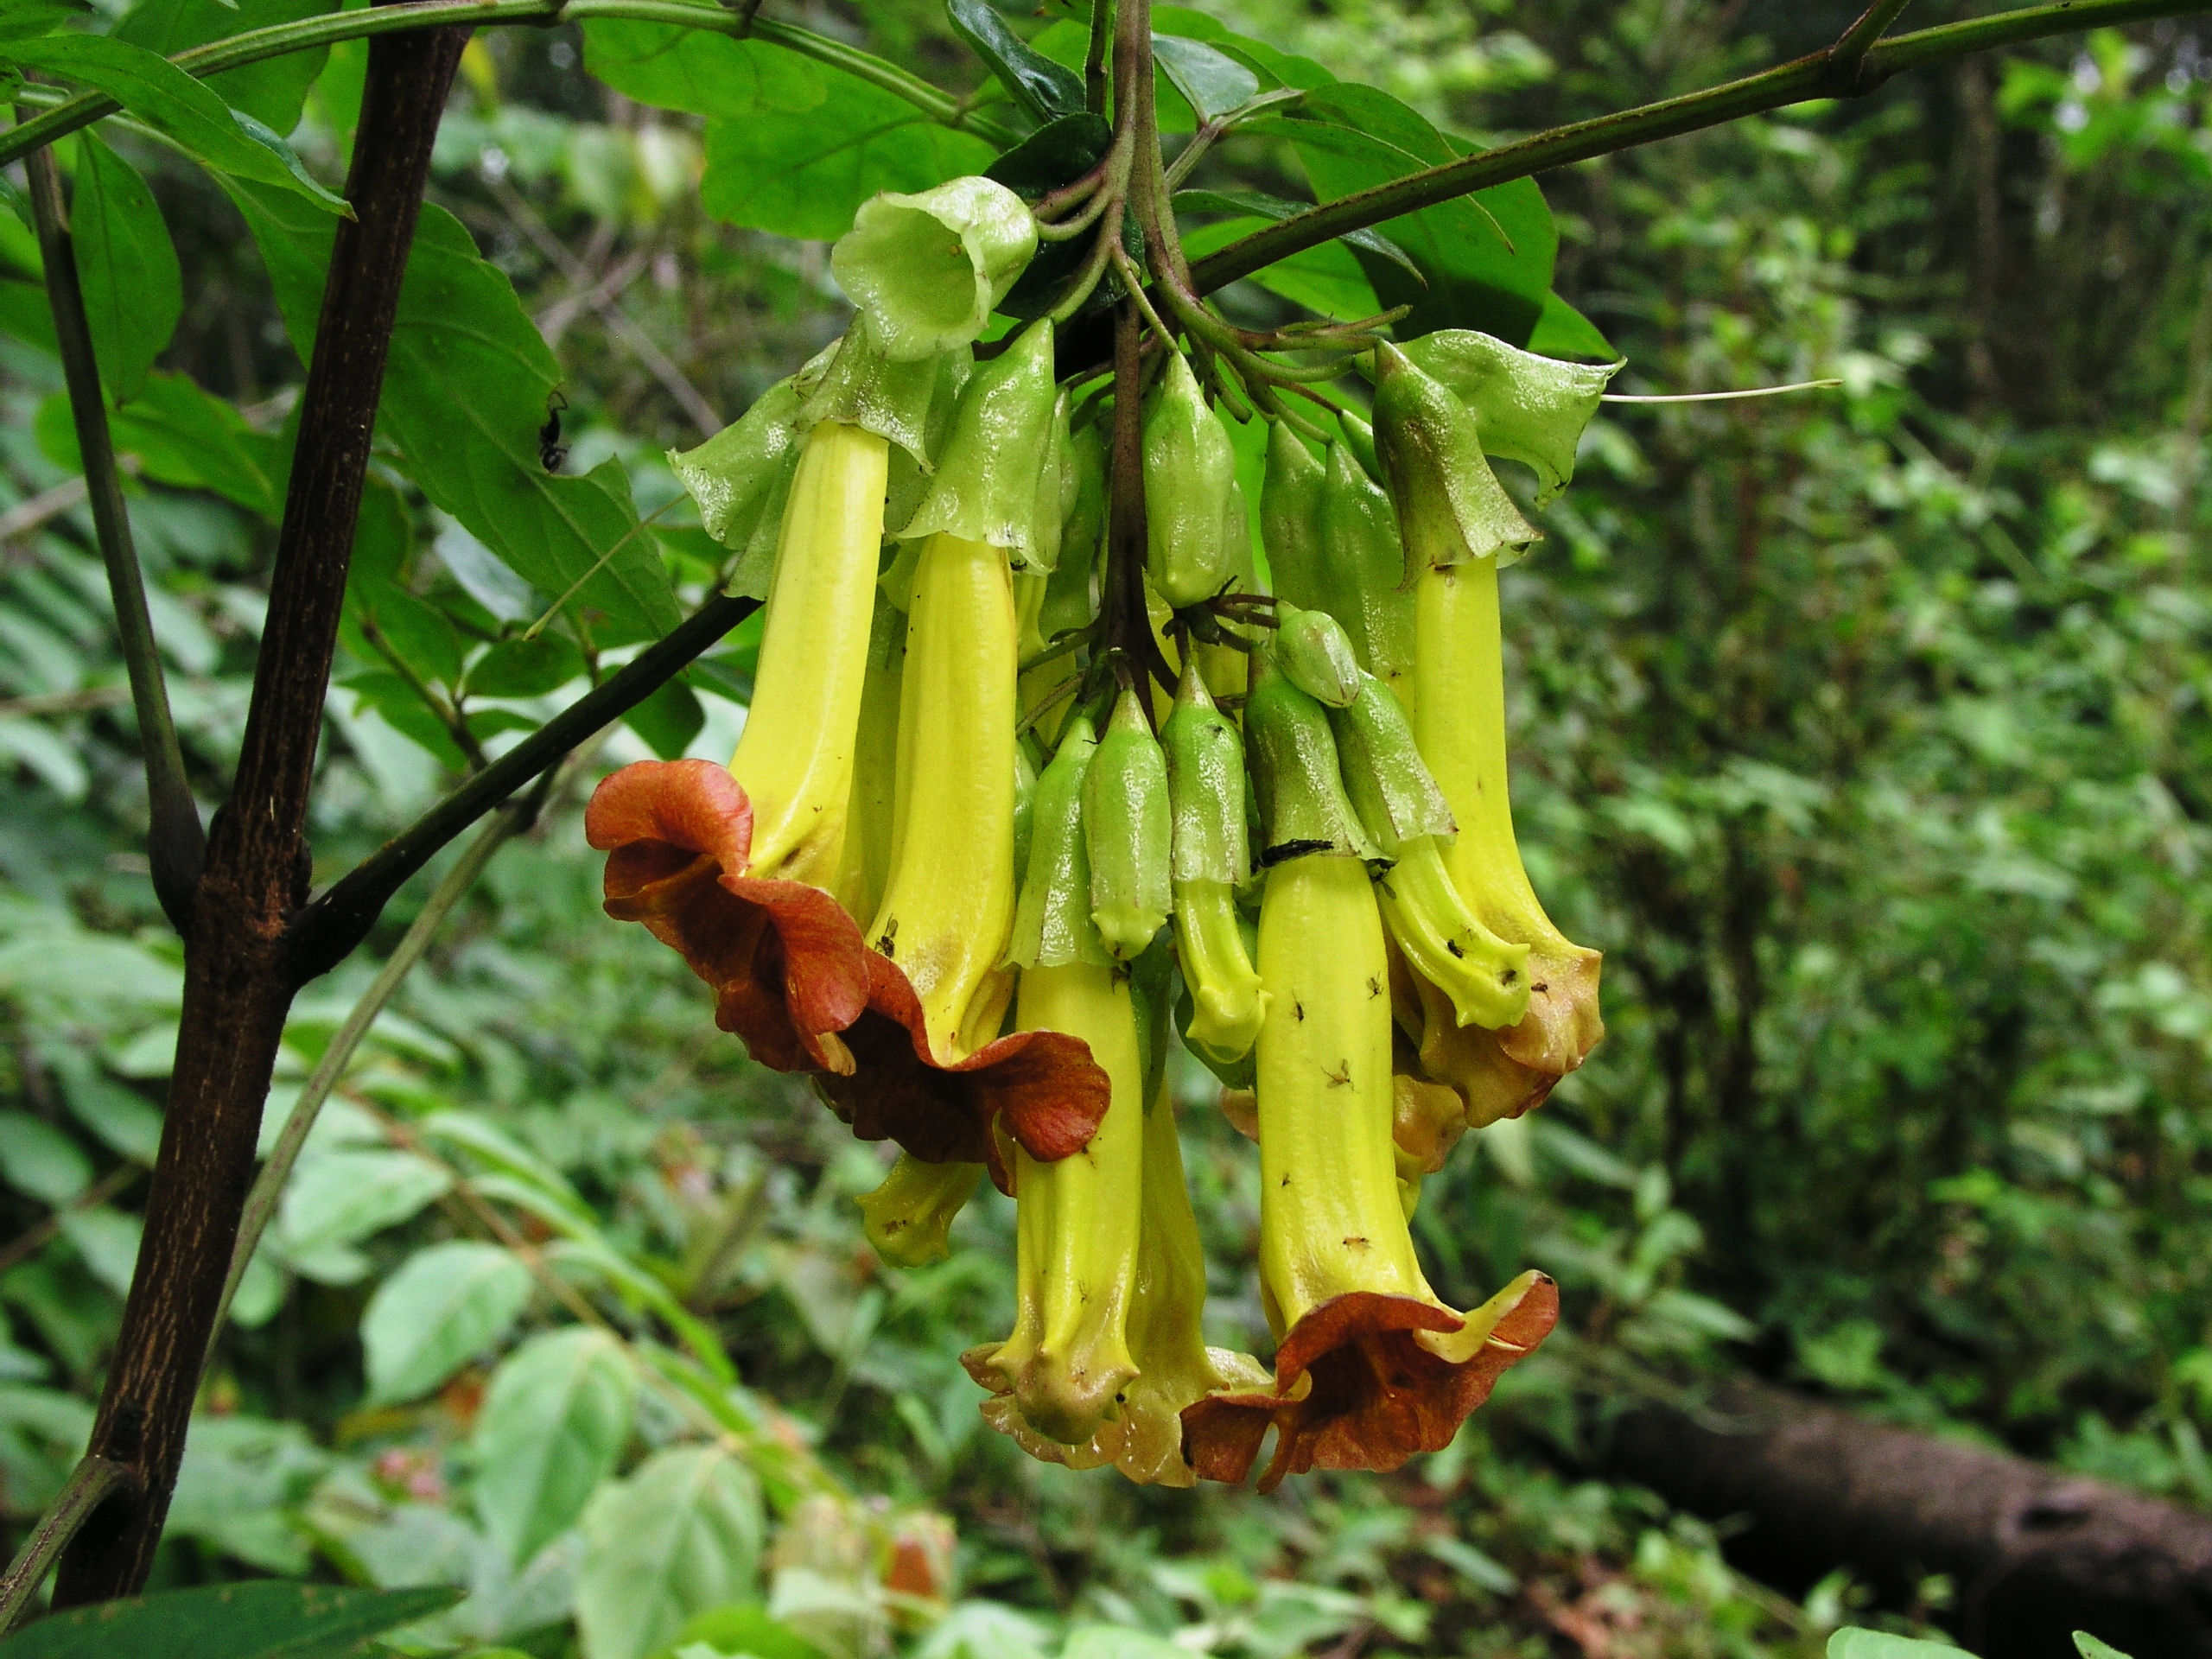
x=1302 y=795
x=1365 y=570
x=1052 y=925
x=1206 y=793
x=1311 y=647
x=1188 y=472
x=1359 y=438
x=927 y=271
x=741 y=478
x=1127 y=829
x=1068 y=601
x=987 y=485
x=909 y=1218
x=1527 y=408
x=1389 y=784
x=1290 y=519
x=1450 y=506
x=864 y=386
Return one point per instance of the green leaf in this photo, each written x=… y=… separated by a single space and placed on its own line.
x=1562 y=331
x=553 y=1424
x=2090 y=1647
x=190 y=439
x=1214 y=83
x=107 y=1241
x=445 y=1306
x=807 y=175
x=126 y=265
x=1487 y=258
x=679 y=1537
x=23 y=18
x=416 y=631
x=171 y=101
x=1326 y=280
x=698 y=72
x=257 y=1619
x=336 y=1199
x=272 y=90
x=668 y=720
x=1851 y=1643
x=1261 y=204
x=1048 y=90
x=745 y=1627
x=465 y=394
x=1057 y=154
x=526 y=668
x=40 y=1161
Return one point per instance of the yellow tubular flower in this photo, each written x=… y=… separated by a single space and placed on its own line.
x=795 y=759
x=1077 y=1228
x=1459 y=726
x=949 y=904
x=909 y=1218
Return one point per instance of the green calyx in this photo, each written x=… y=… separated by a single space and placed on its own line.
x=1527 y=408
x=908 y=1219
x=1127 y=829
x=894 y=397
x=927 y=271
x=1450 y=506
x=1303 y=807
x=1312 y=647
x=741 y=477
x=1211 y=857
x=1190 y=474
x=1290 y=519
x=1391 y=785
x=1363 y=589
x=1485 y=978
x=1052 y=925
x=997 y=477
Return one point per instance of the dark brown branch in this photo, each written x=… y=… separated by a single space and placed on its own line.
x=2034 y=1553
x=175 y=843
x=237 y=986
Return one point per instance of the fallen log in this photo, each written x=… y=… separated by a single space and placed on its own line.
x=2033 y=1553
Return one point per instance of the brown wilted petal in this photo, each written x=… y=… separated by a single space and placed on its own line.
x=1043 y=1084
x=787 y=965
x=1355 y=1387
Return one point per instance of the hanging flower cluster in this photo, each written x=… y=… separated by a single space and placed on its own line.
x=1038 y=767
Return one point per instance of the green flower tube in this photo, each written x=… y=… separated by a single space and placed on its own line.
x=1290 y=519
x=928 y=269
x=1211 y=857
x=1127 y=829
x=1365 y=589
x=1450 y=506
x=1051 y=923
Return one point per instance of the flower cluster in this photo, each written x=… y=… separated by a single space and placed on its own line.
x=984 y=841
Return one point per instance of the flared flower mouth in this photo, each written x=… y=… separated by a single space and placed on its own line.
x=1366 y=1381
x=1042 y=1087
x=787 y=965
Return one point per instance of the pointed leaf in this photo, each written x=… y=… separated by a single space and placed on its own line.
x=1213 y=82
x=445 y=1306
x=272 y=90
x=554 y=1420
x=699 y=73
x=1045 y=89
x=126 y=265
x=680 y=1536
x=259 y=1619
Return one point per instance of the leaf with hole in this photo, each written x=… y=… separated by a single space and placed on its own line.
x=172 y=102
x=1047 y=90
x=552 y=1425
x=681 y=1535
x=443 y=1308
x=126 y=266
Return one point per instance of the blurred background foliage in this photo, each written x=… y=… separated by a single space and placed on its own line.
x=1865 y=730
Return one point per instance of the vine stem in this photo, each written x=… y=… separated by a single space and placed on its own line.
x=277 y=39
x=91 y=1484
x=176 y=845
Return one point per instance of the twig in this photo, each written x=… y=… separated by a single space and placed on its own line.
x=89 y=1485
x=325 y=932
x=29 y=1242
x=1848 y=55
x=41 y=509
x=176 y=846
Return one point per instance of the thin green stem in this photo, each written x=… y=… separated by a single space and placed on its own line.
x=1790 y=83
x=175 y=843
x=255 y=45
x=1849 y=53
x=268 y=1186
x=1094 y=56
x=89 y=1484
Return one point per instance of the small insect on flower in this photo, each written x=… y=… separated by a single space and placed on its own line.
x=551 y=452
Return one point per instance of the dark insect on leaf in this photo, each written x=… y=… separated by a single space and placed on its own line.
x=1045 y=89
x=551 y=452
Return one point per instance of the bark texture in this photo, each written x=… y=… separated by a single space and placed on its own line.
x=239 y=984
x=2035 y=1553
